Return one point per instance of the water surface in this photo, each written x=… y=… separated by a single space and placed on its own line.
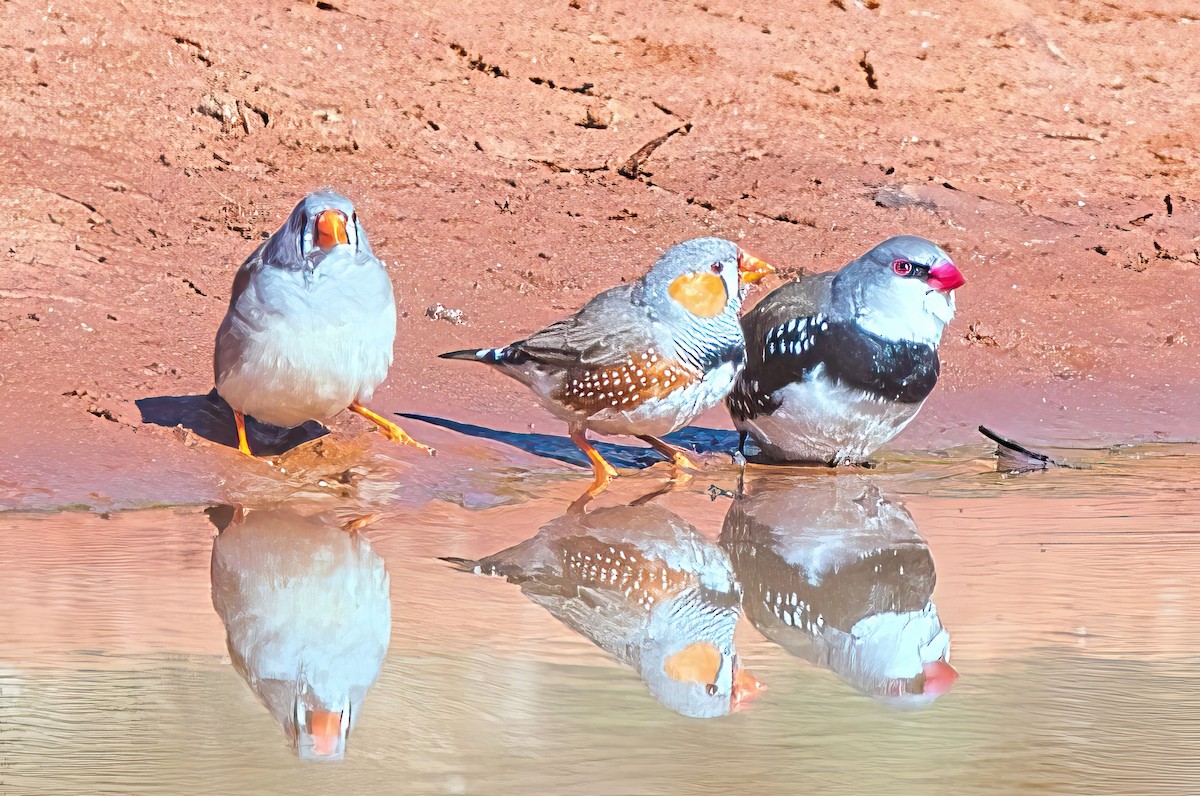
x=144 y=652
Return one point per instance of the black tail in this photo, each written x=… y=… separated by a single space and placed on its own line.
x=462 y=564
x=508 y=355
x=1016 y=458
x=472 y=354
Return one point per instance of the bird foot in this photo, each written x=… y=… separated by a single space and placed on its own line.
x=397 y=434
x=390 y=429
x=681 y=461
x=603 y=477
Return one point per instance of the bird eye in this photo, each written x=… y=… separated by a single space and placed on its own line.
x=711 y=689
x=717 y=268
x=902 y=267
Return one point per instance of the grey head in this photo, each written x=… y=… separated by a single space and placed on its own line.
x=902 y=290
x=703 y=277
x=687 y=656
x=322 y=231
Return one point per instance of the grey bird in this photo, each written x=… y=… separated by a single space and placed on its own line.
x=646 y=587
x=838 y=574
x=641 y=359
x=838 y=363
x=308 y=617
x=310 y=324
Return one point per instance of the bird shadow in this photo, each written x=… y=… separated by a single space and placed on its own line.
x=208 y=416
x=550 y=446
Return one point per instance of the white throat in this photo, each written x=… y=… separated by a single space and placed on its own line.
x=916 y=317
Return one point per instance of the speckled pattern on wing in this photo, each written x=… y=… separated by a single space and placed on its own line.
x=625 y=385
x=620 y=566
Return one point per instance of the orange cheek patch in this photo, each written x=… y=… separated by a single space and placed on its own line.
x=695 y=663
x=700 y=294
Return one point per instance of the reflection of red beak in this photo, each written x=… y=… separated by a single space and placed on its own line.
x=939 y=677
x=746 y=688
x=945 y=276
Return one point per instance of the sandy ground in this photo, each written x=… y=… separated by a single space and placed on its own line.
x=511 y=159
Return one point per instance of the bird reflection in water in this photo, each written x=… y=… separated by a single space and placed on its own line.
x=307 y=613
x=836 y=573
x=640 y=583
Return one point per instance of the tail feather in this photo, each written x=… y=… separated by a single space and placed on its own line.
x=489 y=356
x=1013 y=457
x=461 y=564
x=484 y=566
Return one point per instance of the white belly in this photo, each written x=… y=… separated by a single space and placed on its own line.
x=305 y=365
x=661 y=416
x=821 y=421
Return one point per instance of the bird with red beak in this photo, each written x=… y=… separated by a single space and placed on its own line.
x=838 y=363
x=835 y=572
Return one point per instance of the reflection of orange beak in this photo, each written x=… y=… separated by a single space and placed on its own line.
x=326 y=729
x=752 y=269
x=331 y=230
x=746 y=687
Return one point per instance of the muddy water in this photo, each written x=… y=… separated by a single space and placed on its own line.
x=928 y=626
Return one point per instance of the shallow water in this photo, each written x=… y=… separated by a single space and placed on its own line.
x=140 y=648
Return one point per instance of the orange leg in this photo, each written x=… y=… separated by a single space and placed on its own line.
x=603 y=471
x=677 y=457
x=243 y=445
x=390 y=429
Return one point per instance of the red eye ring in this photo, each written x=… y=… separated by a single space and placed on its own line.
x=717 y=268
x=902 y=267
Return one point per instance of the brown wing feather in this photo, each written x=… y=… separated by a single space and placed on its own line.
x=618 y=566
x=623 y=386
x=609 y=355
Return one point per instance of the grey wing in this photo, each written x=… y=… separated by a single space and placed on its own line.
x=605 y=331
x=228 y=350
x=610 y=621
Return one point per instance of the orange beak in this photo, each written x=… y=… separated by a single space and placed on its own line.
x=326 y=728
x=752 y=269
x=746 y=686
x=331 y=230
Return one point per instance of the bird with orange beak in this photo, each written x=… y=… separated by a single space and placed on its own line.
x=641 y=359
x=643 y=585
x=306 y=605
x=310 y=325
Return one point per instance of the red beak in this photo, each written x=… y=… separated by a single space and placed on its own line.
x=939 y=675
x=945 y=276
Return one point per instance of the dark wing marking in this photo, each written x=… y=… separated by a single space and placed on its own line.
x=782 y=350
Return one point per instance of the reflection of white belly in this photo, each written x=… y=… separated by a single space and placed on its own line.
x=664 y=415
x=822 y=421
